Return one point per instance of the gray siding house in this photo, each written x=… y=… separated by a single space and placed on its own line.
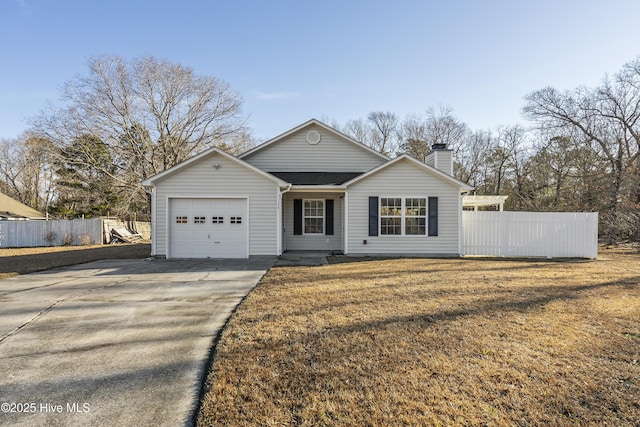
x=311 y=188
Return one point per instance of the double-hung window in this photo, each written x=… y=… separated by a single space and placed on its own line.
x=403 y=216
x=415 y=216
x=313 y=216
x=390 y=216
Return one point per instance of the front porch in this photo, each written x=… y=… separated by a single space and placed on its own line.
x=313 y=220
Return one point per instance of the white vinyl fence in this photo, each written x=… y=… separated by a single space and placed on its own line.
x=530 y=234
x=24 y=234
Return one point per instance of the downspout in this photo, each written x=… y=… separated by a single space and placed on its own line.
x=151 y=191
x=345 y=225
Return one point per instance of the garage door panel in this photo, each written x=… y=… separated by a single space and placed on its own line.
x=208 y=228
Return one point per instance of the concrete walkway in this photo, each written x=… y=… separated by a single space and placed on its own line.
x=303 y=258
x=119 y=342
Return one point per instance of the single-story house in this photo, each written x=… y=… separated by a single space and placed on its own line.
x=310 y=188
x=11 y=209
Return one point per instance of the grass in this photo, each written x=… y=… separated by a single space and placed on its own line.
x=28 y=260
x=433 y=342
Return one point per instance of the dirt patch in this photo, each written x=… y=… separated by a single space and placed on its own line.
x=433 y=342
x=29 y=260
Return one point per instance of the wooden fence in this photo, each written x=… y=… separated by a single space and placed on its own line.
x=74 y=232
x=530 y=234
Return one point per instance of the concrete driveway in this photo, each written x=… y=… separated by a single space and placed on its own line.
x=118 y=342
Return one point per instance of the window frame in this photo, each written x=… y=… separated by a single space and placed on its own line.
x=424 y=217
x=404 y=215
x=388 y=216
x=322 y=218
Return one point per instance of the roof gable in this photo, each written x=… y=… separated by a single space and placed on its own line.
x=405 y=157
x=313 y=146
x=211 y=152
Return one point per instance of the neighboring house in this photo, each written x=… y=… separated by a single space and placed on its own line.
x=311 y=188
x=11 y=209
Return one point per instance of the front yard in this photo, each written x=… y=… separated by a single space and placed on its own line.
x=15 y=261
x=434 y=342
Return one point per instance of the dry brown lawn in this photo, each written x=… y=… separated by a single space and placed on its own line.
x=433 y=342
x=27 y=260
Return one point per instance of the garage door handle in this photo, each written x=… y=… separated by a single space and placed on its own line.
x=216 y=242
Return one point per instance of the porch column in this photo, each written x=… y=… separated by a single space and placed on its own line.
x=345 y=226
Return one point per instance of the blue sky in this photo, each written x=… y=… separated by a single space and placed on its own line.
x=294 y=60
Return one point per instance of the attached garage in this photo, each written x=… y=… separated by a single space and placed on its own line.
x=215 y=205
x=208 y=228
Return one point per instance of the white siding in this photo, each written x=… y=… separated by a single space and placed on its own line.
x=313 y=242
x=230 y=179
x=442 y=160
x=403 y=180
x=530 y=234
x=331 y=154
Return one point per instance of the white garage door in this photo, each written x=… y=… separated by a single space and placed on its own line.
x=208 y=228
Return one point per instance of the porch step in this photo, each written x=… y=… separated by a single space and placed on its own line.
x=306 y=258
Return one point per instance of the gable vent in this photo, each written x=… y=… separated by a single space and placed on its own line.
x=313 y=137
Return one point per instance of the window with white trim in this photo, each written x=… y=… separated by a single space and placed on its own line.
x=403 y=216
x=313 y=216
x=390 y=216
x=415 y=216
x=235 y=220
x=217 y=220
x=181 y=219
x=199 y=220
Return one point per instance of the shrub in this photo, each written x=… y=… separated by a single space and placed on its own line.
x=50 y=237
x=84 y=239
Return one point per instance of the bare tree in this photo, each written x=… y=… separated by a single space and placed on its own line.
x=444 y=128
x=605 y=120
x=150 y=114
x=413 y=133
x=330 y=121
x=507 y=157
x=8 y=168
x=384 y=127
x=471 y=158
x=439 y=126
x=25 y=170
x=359 y=130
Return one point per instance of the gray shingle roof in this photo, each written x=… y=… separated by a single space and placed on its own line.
x=316 y=178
